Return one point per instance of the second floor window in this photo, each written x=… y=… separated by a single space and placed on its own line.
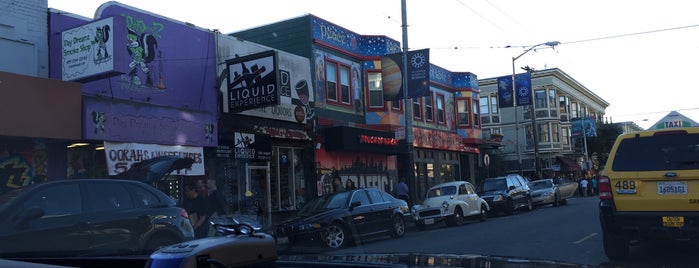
x=429 y=112
x=417 y=108
x=462 y=112
x=375 y=90
x=441 y=113
x=338 y=83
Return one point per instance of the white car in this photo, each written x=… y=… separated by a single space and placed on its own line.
x=452 y=202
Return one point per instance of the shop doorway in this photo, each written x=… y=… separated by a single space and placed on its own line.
x=257 y=192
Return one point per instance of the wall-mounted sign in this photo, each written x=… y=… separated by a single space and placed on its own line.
x=376 y=140
x=120 y=156
x=252 y=82
x=252 y=146
x=88 y=50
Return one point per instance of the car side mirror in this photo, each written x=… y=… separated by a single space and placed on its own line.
x=511 y=188
x=32 y=213
x=354 y=205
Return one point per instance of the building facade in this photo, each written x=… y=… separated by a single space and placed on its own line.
x=558 y=101
x=359 y=133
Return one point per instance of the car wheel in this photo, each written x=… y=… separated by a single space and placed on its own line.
x=484 y=213
x=398 y=226
x=457 y=218
x=615 y=247
x=158 y=242
x=336 y=236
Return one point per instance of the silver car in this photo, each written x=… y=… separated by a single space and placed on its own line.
x=451 y=202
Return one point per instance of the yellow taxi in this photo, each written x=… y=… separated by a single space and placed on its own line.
x=649 y=189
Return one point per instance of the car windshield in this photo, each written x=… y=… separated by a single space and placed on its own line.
x=543 y=184
x=678 y=151
x=441 y=191
x=136 y=129
x=325 y=202
x=493 y=185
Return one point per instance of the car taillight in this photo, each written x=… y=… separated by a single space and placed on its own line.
x=605 y=188
x=184 y=214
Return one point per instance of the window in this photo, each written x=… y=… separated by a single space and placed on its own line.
x=58 y=200
x=376 y=197
x=338 y=83
x=563 y=104
x=462 y=112
x=552 y=98
x=494 y=105
x=429 y=112
x=361 y=197
x=396 y=105
x=108 y=197
x=565 y=136
x=441 y=113
x=554 y=133
x=476 y=116
x=143 y=197
x=375 y=90
x=574 y=110
x=544 y=132
x=484 y=105
x=540 y=98
x=417 y=108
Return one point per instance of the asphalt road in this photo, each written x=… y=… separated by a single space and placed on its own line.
x=569 y=234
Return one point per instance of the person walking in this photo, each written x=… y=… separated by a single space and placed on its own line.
x=402 y=191
x=349 y=185
x=583 y=185
x=196 y=206
x=594 y=185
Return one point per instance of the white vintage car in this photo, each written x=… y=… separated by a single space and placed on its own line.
x=452 y=202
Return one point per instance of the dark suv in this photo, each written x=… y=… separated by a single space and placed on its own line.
x=93 y=217
x=506 y=194
x=649 y=189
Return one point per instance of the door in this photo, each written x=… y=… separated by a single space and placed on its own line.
x=257 y=193
x=363 y=215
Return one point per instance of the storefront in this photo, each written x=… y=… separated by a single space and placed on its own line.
x=265 y=152
x=41 y=117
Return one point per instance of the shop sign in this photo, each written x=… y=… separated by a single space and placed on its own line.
x=252 y=82
x=375 y=140
x=88 y=50
x=121 y=156
x=251 y=146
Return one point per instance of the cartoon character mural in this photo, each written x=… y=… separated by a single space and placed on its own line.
x=100 y=40
x=142 y=49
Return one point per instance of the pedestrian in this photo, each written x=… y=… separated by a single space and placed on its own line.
x=216 y=202
x=594 y=185
x=196 y=206
x=349 y=185
x=337 y=185
x=402 y=191
x=583 y=185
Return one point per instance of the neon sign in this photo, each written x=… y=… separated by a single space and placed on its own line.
x=366 y=139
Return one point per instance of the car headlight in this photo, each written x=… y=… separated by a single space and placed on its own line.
x=309 y=226
x=548 y=193
x=445 y=204
x=497 y=198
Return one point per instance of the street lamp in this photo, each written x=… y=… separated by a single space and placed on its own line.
x=514 y=96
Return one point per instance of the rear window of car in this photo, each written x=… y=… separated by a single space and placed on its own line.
x=658 y=152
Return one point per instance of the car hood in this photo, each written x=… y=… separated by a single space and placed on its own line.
x=418 y=260
x=157 y=168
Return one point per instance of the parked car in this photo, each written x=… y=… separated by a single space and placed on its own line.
x=544 y=192
x=506 y=194
x=84 y=216
x=342 y=217
x=567 y=189
x=451 y=202
x=648 y=189
x=88 y=215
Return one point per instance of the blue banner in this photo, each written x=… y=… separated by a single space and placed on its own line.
x=523 y=83
x=505 y=92
x=418 y=75
x=577 y=127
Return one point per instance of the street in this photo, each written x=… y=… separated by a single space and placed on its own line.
x=569 y=233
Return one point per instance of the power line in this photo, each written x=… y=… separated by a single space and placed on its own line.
x=631 y=34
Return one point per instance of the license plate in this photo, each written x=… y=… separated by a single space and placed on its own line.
x=429 y=221
x=282 y=240
x=672 y=187
x=673 y=221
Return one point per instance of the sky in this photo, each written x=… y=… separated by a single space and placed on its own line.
x=640 y=56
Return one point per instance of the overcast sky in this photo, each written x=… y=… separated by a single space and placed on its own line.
x=636 y=55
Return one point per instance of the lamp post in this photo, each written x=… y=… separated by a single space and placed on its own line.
x=514 y=98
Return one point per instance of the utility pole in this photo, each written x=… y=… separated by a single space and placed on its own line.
x=410 y=165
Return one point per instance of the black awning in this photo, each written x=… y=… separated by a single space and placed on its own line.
x=568 y=164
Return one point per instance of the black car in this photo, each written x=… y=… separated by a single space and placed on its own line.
x=99 y=216
x=70 y=217
x=506 y=194
x=341 y=217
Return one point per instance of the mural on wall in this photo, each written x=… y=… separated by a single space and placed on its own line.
x=355 y=79
x=363 y=169
x=142 y=46
x=21 y=164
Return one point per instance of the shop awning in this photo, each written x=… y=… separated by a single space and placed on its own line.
x=568 y=164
